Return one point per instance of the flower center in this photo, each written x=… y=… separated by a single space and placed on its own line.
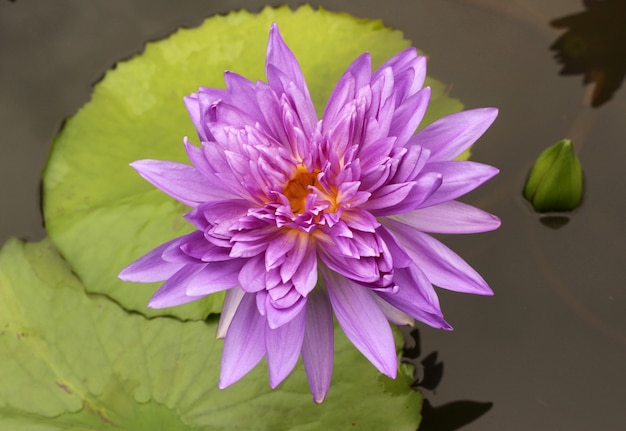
x=297 y=188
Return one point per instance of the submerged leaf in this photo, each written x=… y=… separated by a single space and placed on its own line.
x=593 y=46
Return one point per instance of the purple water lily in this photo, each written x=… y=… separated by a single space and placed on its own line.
x=299 y=218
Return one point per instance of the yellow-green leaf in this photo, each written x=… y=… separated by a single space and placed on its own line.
x=73 y=361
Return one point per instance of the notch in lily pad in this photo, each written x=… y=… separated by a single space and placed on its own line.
x=555 y=182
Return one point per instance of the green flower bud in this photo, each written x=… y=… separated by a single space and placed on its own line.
x=555 y=182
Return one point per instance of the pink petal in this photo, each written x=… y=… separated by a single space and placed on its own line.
x=356 y=76
x=357 y=268
x=174 y=252
x=278 y=248
x=200 y=248
x=400 y=258
x=174 y=291
x=270 y=107
x=399 y=198
x=409 y=72
x=223 y=215
x=458 y=178
x=280 y=56
x=299 y=103
x=449 y=136
x=242 y=93
x=363 y=322
x=252 y=274
x=197 y=116
x=227 y=114
x=388 y=196
x=408 y=116
x=442 y=266
x=383 y=101
x=283 y=347
x=451 y=217
x=198 y=158
x=215 y=277
x=298 y=264
x=201 y=106
x=182 y=182
x=374 y=153
x=151 y=267
x=305 y=277
x=244 y=346
x=278 y=314
x=359 y=219
x=411 y=164
x=318 y=345
x=416 y=297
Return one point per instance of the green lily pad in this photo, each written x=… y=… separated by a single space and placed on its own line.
x=73 y=361
x=100 y=213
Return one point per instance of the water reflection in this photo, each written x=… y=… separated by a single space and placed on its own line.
x=427 y=376
x=554 y=221
x=451 y=416
x=593 y=46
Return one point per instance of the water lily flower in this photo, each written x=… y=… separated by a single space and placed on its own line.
x=299 y=219
x=555 y=182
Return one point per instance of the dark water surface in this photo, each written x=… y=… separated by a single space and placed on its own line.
x=549 y=349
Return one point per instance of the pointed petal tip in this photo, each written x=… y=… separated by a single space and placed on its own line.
x=319 y=398
x=155 y=304
x=440 y=323
x=124 y=274
x=226 y=381
x=497 y=221
x=492 y=170
x=479 y=289
x=275 y=379
x=138 y=164
x=487 y=292
x=168 y=300
x=274 y=33
x=391 y=372
x=223 y=385
x=274 y=383
x=148 y=168
x=147 y=165
x=489 y=115
x=129 y=274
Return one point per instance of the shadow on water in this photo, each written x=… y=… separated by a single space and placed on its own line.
x=593 y=46
x=427 y=376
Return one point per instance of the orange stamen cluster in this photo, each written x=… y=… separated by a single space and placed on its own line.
x=297 y=188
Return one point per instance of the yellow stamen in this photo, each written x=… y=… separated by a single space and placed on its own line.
x=297 y=188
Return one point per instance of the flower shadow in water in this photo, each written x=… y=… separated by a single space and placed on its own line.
x=593 y=46
x=427 y=375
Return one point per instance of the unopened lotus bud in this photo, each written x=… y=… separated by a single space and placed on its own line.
x=555 y=182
